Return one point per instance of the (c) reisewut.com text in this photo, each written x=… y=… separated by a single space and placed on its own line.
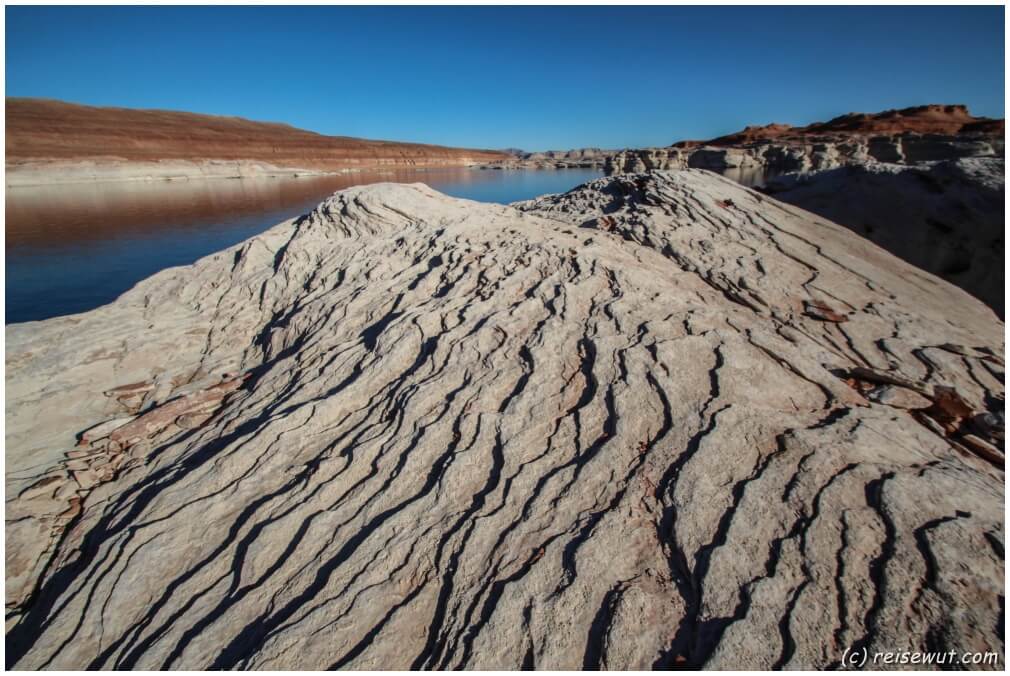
x=862 y=657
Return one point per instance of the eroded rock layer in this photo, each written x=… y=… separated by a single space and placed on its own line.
x=659 y=420
x=754 y=164
x=928 y=133
x=945 y=217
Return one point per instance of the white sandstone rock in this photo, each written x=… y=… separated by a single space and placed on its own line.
x=480 y=436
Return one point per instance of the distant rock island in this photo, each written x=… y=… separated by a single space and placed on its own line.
x=661 y=420
x=50 y=141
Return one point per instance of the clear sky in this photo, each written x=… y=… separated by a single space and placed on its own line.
x=495 y=77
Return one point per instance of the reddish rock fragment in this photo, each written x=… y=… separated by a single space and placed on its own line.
x=157 y=419
x=886 y=378
x=823 y=312
x=85 y=478
x=949 y=405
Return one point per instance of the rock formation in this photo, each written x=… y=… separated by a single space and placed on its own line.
x=660 y=420
x=945 y=217
x=52 y=141
x=908 y=136
x=943 y=120
x=580 y=158
x=925 y=183
x=757 y=163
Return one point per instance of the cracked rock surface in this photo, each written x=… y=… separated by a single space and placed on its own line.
x=598 y=429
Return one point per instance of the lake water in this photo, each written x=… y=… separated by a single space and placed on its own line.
x=72 y=248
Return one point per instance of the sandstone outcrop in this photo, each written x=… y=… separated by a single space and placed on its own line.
x=646 y=159
x=580 y=158
x=53 y=141
x=926 y=183
x=752 y=156
x=660 y=420
x=756 y=164
x=946 y=217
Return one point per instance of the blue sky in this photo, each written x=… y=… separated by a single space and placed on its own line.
x=494 y=77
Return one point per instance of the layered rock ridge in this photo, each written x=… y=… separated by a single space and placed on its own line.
x=659 y=420
x=754 y=163
x=907 y=136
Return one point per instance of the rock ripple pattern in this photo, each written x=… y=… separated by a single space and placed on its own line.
x=598 y=429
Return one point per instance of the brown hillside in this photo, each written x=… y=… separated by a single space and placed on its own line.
x=43 y=130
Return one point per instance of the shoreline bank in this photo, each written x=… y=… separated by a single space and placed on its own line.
x=82 y=173
x=42 y=174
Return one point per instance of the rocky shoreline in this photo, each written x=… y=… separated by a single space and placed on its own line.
x=411 y=431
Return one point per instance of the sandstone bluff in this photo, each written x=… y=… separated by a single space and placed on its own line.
x=658 y=420
x=909 y=136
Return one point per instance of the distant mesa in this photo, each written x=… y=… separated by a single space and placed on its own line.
x=751 y=134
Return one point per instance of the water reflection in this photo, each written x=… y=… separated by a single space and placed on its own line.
x=71 y=248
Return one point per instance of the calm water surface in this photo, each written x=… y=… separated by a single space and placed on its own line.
x=72 y=248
